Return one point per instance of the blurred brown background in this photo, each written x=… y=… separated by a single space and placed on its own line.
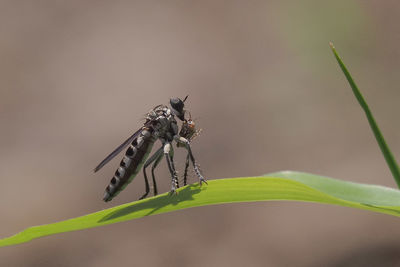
x=76 y=77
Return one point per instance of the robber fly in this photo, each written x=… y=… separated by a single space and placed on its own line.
x=160 y=124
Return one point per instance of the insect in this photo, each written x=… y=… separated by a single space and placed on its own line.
x=160 y=125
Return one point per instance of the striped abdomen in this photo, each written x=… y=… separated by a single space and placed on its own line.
x=131 y=164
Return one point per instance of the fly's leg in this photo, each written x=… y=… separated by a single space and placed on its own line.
x=186 y=170
x=171 y=153
x=186 y=142
x=153 y=158
x=174 y=176
x=152 y=173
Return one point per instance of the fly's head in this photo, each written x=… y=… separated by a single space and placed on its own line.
x=177 y=106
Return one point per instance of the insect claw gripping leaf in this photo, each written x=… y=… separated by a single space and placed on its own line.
x=203 y=181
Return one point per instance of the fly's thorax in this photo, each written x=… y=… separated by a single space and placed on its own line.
x=163 y=123
x=160 y=126
x=174 y=127
x=160 y=110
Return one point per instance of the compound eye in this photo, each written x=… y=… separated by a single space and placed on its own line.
x=177 y=104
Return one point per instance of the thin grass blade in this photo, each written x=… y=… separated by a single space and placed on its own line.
x=390 y=160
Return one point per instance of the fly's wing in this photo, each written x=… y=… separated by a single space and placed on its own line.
x=117 y=150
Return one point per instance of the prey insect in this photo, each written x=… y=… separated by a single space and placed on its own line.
x=160 y=125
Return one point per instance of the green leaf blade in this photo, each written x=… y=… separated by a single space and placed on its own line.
x=390 y=160
x=292 y=186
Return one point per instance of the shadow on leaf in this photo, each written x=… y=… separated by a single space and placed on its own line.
x=154 y=204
